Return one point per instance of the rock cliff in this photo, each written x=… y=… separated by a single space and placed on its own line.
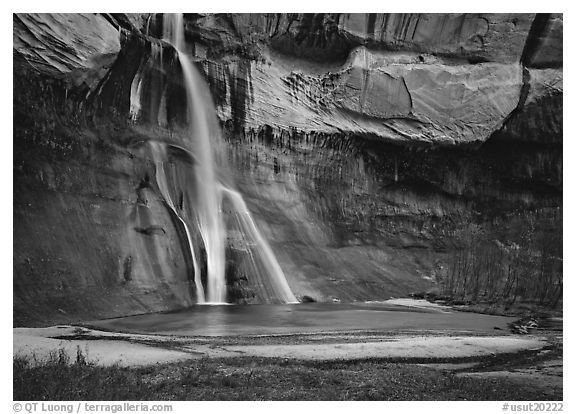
x=362 y=143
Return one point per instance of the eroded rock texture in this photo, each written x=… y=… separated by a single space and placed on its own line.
x=362 y=144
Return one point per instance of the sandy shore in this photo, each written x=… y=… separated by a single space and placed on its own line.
x=107 y=348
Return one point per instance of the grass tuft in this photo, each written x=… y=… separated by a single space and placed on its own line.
x=249 y=378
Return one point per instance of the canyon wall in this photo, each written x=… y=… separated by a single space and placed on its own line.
x=363 y=144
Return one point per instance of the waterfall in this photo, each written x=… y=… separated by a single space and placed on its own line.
x=204 y=133
x=266 y=267
x=159 y=154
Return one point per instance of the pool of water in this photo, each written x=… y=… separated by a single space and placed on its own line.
x=225 y=320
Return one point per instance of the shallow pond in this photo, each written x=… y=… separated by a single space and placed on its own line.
x=223 y=320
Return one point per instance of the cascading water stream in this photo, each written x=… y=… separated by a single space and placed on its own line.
x=204 y=132
x=266 y=265
x=159 y=154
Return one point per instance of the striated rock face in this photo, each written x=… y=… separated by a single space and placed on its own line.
x=486 y=37
x=437 y=78
x=477 y=37
x=92 y=237
x=362 y=143
x=80 y=48
x=400 y=77
x=538 y=116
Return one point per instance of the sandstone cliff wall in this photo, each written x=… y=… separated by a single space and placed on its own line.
x=362 y=143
